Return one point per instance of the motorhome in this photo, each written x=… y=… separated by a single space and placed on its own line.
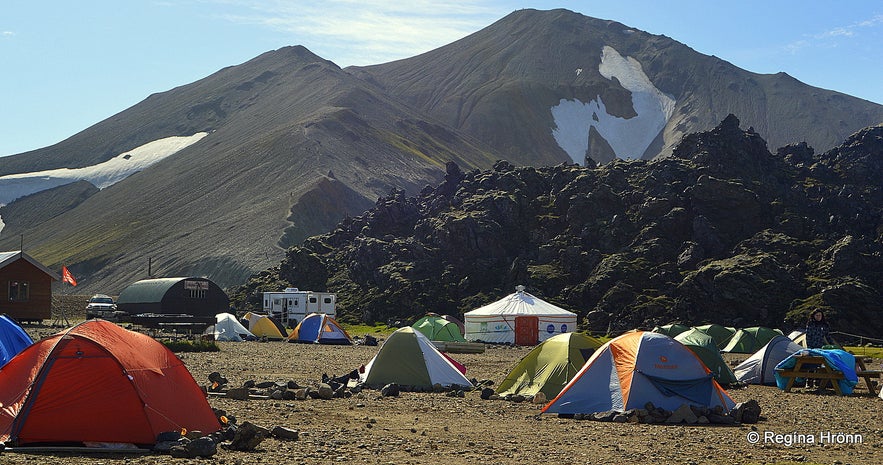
x=292 y=305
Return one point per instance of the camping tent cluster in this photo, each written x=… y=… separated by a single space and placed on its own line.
x=710 y=340
x=316 y=328
x=768 y=347
x=49 y=394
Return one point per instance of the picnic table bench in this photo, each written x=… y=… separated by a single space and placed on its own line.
x=816 y=367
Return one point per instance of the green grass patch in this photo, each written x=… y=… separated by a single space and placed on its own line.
x=873 y=352
x=198 y=345
x=378 y=330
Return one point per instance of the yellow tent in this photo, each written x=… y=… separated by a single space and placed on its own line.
x=265 y=326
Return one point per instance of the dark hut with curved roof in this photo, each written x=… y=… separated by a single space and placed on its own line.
x=174 y=296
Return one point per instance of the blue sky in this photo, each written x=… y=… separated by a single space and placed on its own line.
x=66 y=65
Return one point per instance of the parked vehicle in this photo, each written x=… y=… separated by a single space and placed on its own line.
x=102 y=306
x=292 y=305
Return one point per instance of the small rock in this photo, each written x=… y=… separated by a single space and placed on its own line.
x=746 y=412
x=203 y=447
x=237 y=393
x=288 y=434
x=390 y=390
x=683 y=414
x=248 y=436
x=325 y=391
x=604 y=416
x=168 y=436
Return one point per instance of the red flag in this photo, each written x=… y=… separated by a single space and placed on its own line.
x=67 y=277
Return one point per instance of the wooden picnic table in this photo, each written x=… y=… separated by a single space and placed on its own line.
x=816 y=367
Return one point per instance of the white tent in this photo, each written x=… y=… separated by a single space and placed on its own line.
x=518 y=318
x=228 y=328
x=760 y=367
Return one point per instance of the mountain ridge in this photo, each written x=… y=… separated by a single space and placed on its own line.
x=706 y=89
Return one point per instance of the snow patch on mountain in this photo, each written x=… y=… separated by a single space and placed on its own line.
x=102 y=175
x=628 y=137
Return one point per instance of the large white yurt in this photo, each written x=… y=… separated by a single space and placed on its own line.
x=518 y=318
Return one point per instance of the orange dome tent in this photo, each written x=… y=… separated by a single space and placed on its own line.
x=98 y=382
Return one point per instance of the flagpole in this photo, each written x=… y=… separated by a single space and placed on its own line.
x=66 y=277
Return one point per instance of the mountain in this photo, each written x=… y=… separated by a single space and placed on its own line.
x=545 y=87
x=219 y=177
x=722 y=231
x=292 y=144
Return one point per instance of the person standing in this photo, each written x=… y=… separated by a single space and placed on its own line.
x=818 y=334
x=818 y=331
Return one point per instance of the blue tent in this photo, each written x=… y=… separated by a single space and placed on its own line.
x=636 y=368
x=13 y=339
x=319 y=328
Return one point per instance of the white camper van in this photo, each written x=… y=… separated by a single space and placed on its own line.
x=292 y=305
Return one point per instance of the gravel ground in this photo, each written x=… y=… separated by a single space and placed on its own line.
x=427 y=428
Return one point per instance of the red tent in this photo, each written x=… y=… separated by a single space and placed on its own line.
x=98 y=382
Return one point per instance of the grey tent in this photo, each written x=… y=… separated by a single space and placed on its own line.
x=759 y=368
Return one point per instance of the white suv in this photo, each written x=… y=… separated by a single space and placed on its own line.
x=100 y=306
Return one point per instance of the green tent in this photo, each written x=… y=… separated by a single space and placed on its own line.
x=437 y=328
x=705 y=348
x=549 y=366
x=721 y=334
x=409 y=359
x=671 y=329
x=750 y=340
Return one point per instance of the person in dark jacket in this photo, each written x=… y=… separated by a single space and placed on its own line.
x=818 y=334
x=818 y=331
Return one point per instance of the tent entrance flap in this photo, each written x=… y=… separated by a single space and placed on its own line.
x=695 y=390
x=527 y=330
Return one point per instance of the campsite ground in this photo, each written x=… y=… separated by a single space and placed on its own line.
x=428 y=428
